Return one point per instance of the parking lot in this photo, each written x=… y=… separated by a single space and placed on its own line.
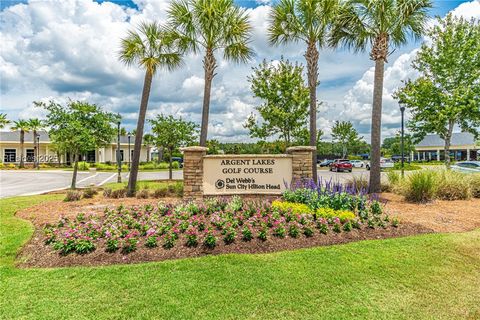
x=29 y=182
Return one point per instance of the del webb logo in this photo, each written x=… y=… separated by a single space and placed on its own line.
x=219 y=184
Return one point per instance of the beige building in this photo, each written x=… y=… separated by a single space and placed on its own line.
x=462 y=147
x=10 y=150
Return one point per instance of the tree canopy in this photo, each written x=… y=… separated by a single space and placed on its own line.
x=78 y=127
x=285 y=99
x=345 y=134
x=447 y=92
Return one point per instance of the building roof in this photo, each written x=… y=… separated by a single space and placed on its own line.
x=14 y=136
x=458 y=139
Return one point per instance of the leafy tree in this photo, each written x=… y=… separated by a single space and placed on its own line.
x=447 y=93
x=378 y=24
x=345 y=134
x=285 y=108
x=303 y=137
x=392 y=145
x=308 y=21
x=78 y=128
x=148 y=141
x=3 y=120
x=151 y=48
x=22 y=126
x=172 y=133
x=210 y=26
x=36 y=125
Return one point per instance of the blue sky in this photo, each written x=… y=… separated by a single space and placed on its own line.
x=67 y=49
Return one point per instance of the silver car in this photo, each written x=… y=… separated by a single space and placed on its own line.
x=384 y=164
x=357 y=163
x=467 y=166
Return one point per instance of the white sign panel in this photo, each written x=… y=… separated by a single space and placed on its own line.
x=245 y=174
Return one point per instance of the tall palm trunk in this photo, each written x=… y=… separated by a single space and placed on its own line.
x=132 y=180
x=22 y=142
x=379 y=55
x=75 y=171
x=312 y=72
x=374 y=185
x=209 y=65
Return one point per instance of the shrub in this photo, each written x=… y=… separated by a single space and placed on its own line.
x=297 y=208
x=210 y=241
x=393 y=178
x=453 y=185
x=263 y=234
x=169 y=240
x=89 y=193
x=357 y=183
x=235 y=204
x=107 y=192
x=308 y=231
x=84 y=246
x=142 y=194
x=82 y=165
x=72 y=195
x=329 y=213
x=475 y=185
x=160 y=192
x=420 y=186
x=229 y=236
x=119 y=193
x=192 y=237
x=247 y=234
x=111 y=245
x=129 y=244
x=293 y=230
x=151 y=242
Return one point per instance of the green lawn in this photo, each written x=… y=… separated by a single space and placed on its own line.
x=425 y=277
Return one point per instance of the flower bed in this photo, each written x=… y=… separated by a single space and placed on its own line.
x=305 y=211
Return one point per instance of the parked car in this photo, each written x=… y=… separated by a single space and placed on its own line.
x=179 y=160
x=325 y=163
x=357 y=163
x=467 y=166
x=384 y=164
x=341 y=165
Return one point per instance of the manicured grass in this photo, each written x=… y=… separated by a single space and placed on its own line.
x=425 y=277
x=143 y=184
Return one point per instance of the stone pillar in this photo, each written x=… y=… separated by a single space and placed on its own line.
x=412 y=157
x=301 y=162
x=193 y=172
x=468 y=154
x=438 y=154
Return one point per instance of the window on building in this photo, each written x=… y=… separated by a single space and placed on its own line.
x=10 y=155
x=90 y=157
x=121 y=154
x=131 y=156
x=30 y=155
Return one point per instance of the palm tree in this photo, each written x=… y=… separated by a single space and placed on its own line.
x=36 y=125
x=308 y=21
x=22 y=126
x=3 y=120
x=148 y=141
x=378 y=24
x=211 y=25
x=150 y=48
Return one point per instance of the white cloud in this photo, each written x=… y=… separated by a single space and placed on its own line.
x=61 y=49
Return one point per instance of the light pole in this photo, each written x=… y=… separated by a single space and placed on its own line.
x=37 y=151
x=129 y=153
x=402 y=111
x=119 y=160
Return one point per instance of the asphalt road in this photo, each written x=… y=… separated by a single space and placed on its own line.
x=29 y=182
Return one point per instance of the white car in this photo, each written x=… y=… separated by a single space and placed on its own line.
x=357 y=163
x=467 y=166
x=384 y=164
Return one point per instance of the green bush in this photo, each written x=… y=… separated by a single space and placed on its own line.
x=89 y=193
x=453 y=185
x=82 y=165
x=420 y=186
x=406 y=166
x=72 y=195
x=475 y=185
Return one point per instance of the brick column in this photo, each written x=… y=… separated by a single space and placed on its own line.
x=193 y=172
x=301 y=162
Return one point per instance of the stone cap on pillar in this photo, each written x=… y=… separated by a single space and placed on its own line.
x=301 y=149
x=194 y=149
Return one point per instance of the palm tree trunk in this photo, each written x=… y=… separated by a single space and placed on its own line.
x=209 y=65
x=374 y=185
x=170 y=164
x=132 y=180
x=448 y=139
x=312 y=72
x=22 y=142
x=75 y=171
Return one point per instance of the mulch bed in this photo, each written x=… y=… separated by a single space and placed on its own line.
x=37 y=254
